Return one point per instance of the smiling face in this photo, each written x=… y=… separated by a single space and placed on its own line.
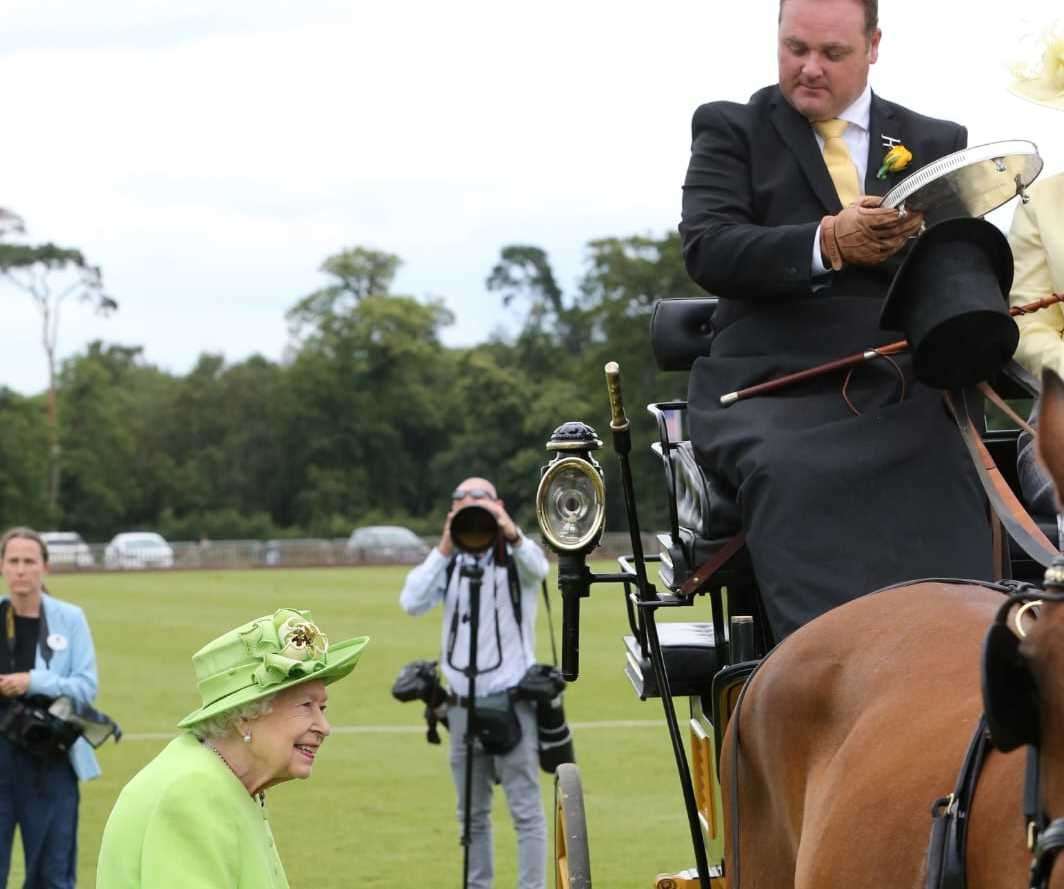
x=824 y=53
x=285 y=742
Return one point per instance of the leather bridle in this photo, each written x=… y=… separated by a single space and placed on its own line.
x=1018 y=723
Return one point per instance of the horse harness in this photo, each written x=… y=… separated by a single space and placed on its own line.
x=1010 y=719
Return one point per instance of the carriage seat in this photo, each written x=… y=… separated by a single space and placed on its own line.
x=703 y=513
x=691 y=656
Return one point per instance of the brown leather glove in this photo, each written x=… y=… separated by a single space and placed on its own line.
x=865 y=233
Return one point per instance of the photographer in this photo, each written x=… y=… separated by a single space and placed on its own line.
x=46 y=652
x=505 y=649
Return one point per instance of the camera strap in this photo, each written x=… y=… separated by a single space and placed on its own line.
x=42 y=638
x=9 y=629
x=515 y=600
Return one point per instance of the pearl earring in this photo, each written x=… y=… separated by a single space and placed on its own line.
x=247 y=738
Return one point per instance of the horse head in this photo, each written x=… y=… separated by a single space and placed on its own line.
x=1023 y=663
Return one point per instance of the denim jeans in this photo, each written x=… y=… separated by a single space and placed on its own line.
x=41 y=797
x=518 y=772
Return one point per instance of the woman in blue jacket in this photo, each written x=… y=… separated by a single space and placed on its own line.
x=47 y=651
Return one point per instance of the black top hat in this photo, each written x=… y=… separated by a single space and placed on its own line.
x=950 y=296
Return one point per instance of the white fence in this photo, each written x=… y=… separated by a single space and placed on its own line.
x=306 y=553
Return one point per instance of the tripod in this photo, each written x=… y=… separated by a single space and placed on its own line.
x=475 y=574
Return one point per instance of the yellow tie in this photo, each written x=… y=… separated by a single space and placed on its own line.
x=837 y=157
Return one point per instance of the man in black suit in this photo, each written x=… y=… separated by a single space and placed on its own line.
x=845 y=484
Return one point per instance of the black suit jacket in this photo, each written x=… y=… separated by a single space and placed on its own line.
x=757 y=188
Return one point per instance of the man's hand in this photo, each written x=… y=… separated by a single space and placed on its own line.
x=445 y=546
x=866 y=233
x=506 y=524
x=14 y=684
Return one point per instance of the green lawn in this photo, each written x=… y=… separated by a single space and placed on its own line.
x=382 y=801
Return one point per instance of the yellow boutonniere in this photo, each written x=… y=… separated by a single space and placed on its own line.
x=894 y=161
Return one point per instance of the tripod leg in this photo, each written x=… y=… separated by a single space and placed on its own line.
x=473 y=808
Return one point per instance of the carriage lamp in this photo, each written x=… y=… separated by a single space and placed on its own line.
x=571 y=498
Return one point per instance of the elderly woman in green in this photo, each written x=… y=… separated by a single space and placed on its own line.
x=195 y=816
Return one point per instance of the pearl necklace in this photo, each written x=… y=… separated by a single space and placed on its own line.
x=260 y=796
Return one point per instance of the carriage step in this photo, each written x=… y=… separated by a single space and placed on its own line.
x=688 y=879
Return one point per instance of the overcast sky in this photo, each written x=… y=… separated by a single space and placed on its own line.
x=210 y=155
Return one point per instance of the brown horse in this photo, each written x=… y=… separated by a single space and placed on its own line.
x=860 y=720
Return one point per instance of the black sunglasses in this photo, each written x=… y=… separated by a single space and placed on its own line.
x=475 y=493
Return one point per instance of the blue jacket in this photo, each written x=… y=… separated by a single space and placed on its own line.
x=71 y=670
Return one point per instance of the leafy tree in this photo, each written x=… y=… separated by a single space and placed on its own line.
x=358 y=272
x=366 y=385
x=51 y=275
x=524 y=271
x=117 y=473
x=23 y=461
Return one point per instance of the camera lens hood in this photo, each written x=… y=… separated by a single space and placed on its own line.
x=474 y=529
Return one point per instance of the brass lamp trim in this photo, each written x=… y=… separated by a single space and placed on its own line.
x=588 y=469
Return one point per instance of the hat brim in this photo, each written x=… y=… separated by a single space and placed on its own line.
x=339 y=662
x=1039 y=92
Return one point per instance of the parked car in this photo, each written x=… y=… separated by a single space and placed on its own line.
x=66 y=549
x=385 y=544
x=138 y=549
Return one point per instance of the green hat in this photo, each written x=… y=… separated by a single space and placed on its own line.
x=266 y=656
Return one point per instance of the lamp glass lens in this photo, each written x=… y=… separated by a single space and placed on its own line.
x=572 y=506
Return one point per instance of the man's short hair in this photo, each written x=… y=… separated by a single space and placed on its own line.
x=22 y=533
x=871 y=14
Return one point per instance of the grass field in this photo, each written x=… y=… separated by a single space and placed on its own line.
x=381 y=799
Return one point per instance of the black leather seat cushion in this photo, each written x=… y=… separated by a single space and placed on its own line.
x=691 y=660
x=681 y=331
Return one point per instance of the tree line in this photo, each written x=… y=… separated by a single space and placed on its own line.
x=368 y=419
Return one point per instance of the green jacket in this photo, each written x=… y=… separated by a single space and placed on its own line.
x=186 y=822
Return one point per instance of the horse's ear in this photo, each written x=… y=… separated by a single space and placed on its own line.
x=1051 y=428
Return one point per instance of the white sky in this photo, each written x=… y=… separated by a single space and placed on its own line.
x=210 y=155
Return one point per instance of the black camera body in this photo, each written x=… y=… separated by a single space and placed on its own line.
x=27 y=723
x=420 y=681
x=543 y=685
x=46 y=728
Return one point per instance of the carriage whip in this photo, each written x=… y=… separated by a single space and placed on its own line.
x=859 y=358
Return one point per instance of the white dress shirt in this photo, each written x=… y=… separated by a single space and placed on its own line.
x=858 y=119
x=505 y=650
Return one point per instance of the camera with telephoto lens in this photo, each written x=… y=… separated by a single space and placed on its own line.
x=543 y=685
x=420 y=681
x=45 y=727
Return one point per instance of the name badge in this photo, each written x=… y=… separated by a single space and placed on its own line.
x=57 y=642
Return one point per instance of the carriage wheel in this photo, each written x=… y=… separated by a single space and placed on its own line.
x=572 y=861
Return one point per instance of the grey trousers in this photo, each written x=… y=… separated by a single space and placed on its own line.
x=518 y=772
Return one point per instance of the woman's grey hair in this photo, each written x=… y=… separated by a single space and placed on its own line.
x=216 y=727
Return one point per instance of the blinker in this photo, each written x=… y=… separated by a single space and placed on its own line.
x=1010 y=691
